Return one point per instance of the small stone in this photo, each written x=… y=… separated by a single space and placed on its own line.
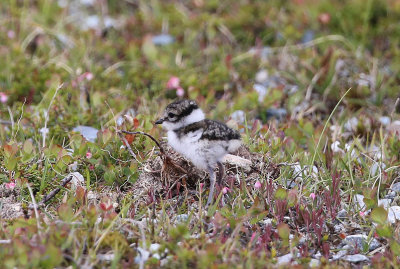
x=342 y=214
x=278 y=113
x=239 y=116
x=77 y=180
x=182 y=218
x=377 y=168
x=385 y=120
x=262 y=77
x=308 y=36
x=284 y=259
x=351 y=124
x=355 y=258
x=142 y=257
x=89 y=133
x=335 y=147
x=237 y=161
x=359 y=240
x=391 y=195
x=162 y=39
x=91 y=195
x=105 y=257
x=339 y=255
x=394 y=127
x=261 y=90
x=267 y=221
x=385 y=203
x=394 y=214
x=339 y=228
x=396 y=187
x=359 y=201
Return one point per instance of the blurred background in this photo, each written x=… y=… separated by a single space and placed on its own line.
x=272 y=54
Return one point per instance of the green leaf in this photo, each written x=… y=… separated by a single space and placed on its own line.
x=65 y=212
x=384 y=231
x=395 y=247
x=28 y=146
x=284 y=232
x=11 y=163
x=379 y=215
x=280 y=194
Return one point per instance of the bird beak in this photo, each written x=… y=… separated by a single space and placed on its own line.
x=160 y=121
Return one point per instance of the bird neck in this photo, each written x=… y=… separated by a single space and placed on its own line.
x=195 y=116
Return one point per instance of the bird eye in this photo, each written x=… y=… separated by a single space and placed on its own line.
x=171 y=115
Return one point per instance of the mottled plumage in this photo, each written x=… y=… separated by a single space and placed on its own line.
x=204 y=142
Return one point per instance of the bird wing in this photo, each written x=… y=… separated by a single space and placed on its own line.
x=216 y=130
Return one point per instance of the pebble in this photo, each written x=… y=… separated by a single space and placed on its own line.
x=308 y=36
x=77 y=180
x=385 y=203
x=377 y=168
x=262 y=77
x=359 y=201
x=182 y=218
x=396 y=187
x=261 y=90
x=339 y=255
x=239 y=116
x=278 y=113
x=394 y=214
x=342 y=214
x=359 y=240
x=385 y=120
x=89 y=133
x=355 y=258
x=237 y=161
x=162 y=39
x=284 y=259
x=351 y=124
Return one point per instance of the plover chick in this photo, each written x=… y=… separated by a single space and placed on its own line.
x=204 y=142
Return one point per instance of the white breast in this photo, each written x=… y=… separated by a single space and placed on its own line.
x=189 y=146
x=202 y=153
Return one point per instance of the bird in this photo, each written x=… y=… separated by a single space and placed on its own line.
x=202 y=141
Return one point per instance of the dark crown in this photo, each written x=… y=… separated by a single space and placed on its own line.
x=181 y=108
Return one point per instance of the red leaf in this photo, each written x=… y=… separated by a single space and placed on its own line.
x=129 y=138
x=135 y=123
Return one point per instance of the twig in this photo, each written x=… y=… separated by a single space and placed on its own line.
x=146 y=134
x=5 y=241
x=127 y=145
x=53 y=193
x=396 y=107
x=167 y=159
x=35 y=207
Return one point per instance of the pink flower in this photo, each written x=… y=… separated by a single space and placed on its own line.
x=225 y=190
x=89 y=76
x=11 y=34
x=88 y=155
x=362 y=213
x=173 y=83
x=10 y=185
x=257 y=185
x=3 y=97
x=312 y=196
x=201 y=186
x=180 y=92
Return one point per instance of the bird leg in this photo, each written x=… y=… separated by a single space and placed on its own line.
x=221 y=173
x=212 y=185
